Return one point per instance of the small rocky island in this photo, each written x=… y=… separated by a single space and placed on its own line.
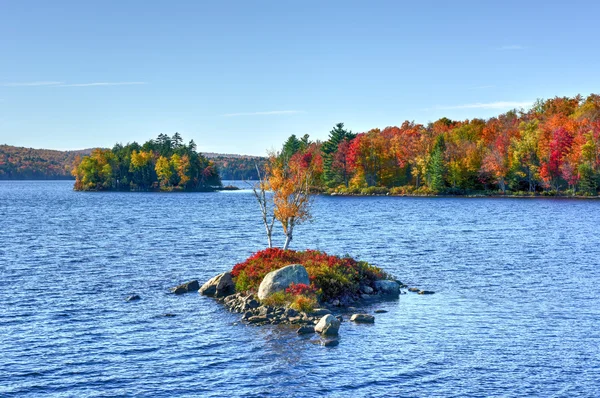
x=309 y=290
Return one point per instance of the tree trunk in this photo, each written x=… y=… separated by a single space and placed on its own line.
x=288 y=235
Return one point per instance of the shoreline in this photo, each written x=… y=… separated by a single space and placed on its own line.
x=470 y=196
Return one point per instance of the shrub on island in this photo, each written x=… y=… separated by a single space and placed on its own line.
x=331 y=277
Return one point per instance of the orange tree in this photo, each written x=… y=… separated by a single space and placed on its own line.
x=291 y=182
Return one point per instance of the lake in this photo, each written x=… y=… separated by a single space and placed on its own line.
x=516 y=310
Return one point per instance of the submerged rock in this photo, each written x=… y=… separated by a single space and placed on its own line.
x=306 y=330
x=328 y=325
x=330 y=343
x=426 y=292
x=380 y=311
x=363 y=318
x=220 y=286
x=281 y=279
x=190 y=286
x=414 y=289
x=133 y=297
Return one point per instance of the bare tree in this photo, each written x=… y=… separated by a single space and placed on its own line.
x=266 y=208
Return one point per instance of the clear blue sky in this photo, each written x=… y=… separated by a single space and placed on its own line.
x=240 y=77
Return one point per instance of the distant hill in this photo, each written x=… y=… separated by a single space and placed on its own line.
x=19 y=163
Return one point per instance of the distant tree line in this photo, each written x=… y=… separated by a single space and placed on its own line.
x=239 y=168
x=18 y=163
x=165 y=163
x=552 y=147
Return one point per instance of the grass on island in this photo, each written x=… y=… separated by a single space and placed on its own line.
x=331 y=277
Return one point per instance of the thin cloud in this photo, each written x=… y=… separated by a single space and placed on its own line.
x=261 y=113
x=490 y=105
x=30 y=84
x=514 y=47
x=102 y=84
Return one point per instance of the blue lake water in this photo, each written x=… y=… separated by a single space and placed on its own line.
x=516 y=310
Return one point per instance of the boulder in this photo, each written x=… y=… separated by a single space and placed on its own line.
x=363 y=318
x=281 y=279
x=366 y=289
x=330 y=343
x=388 y=288
x=190 y=286
x=179 y=290
x=328 y=325
x=220 y=286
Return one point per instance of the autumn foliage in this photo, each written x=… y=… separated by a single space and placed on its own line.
x=330 y=276
x=552 y=147
x=165 y=163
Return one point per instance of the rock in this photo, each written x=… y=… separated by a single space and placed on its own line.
x=169 y=315
x=179 y=290
x=281 y=279
x=252 y=304
x=426 y=292
x=340 y=318
x=380 y=311
x=320 y=312
x=330 y=343
x=336 y=303
x=414 y=289
x=328 y=325
x=258 y=319
x=366 y=289
x=133 y=297
x=363 y=318
x=219 y=286
x=387 y=288
x=190 y=286
x=247 y=315
x=290 y=312
x=306 y=330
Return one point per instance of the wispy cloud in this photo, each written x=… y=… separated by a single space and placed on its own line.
x=102 y=84
x=513 y=47
x=490 y=105
x=63 y=84
x=261 y=113
x=30 y=84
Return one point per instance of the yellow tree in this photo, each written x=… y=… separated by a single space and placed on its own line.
x=163 y=171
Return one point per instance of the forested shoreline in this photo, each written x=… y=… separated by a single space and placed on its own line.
x=551 y=149
x=165 y=163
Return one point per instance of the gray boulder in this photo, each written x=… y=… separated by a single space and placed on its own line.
x=328 y=325
x=388 y=288
x=281 y=279
x=363 y=318
x=366 y=289
x=220 y=286
x=190 y=286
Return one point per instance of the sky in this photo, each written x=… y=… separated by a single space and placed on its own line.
x=241 y=76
